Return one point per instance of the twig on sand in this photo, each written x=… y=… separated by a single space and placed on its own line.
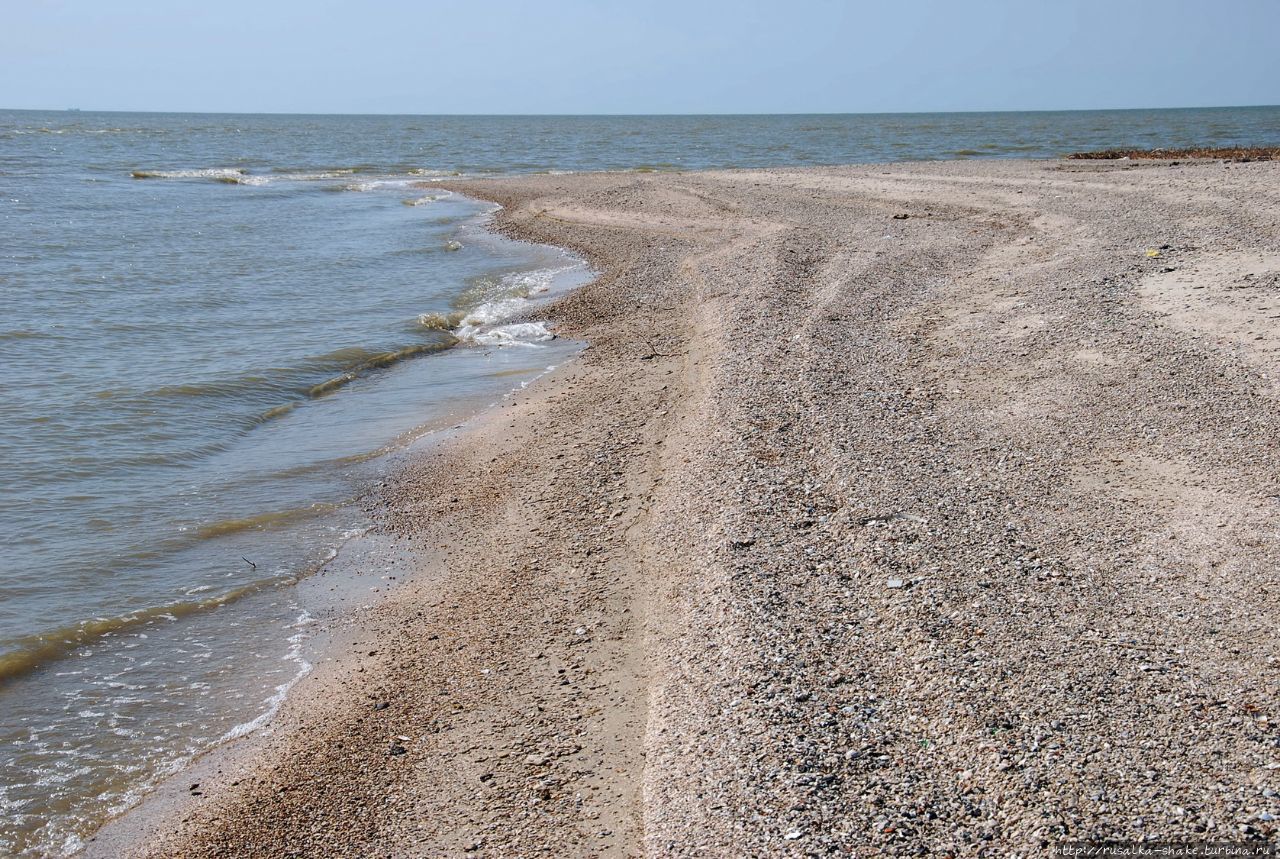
x=654 y=353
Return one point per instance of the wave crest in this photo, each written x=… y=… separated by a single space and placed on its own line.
x=31 y=652
x=215 y=173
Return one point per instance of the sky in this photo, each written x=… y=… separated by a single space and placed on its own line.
x=657 y=56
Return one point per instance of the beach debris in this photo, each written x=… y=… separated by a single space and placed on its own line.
x=1237 y=153
x=381 y=705
x=901 y=216
x=653 y=352
x=249 y=562
x=896 y=584
x=453 y=245
x=1153 y=252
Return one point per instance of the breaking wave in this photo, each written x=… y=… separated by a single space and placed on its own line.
x=216 y=173
x=31 y=652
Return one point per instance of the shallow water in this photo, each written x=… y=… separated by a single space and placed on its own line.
x=215 y=330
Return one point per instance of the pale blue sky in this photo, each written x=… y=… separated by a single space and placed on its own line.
x=659 y=56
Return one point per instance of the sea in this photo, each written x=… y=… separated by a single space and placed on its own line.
x=220 y=333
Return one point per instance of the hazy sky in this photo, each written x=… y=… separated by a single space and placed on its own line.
x=689 y=56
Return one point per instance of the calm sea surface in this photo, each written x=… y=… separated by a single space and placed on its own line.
x=217 y=332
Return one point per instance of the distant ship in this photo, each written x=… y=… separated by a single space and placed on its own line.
x=73 y=110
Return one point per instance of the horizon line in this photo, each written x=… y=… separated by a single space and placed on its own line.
x=74 y=109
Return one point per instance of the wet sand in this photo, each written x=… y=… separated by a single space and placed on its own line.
x=890 y=507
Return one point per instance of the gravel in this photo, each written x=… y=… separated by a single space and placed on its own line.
x=935 y=534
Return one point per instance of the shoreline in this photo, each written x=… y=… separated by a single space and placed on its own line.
x=327 y=652
x=330 y=588
x=273 y=478
x=849 y=502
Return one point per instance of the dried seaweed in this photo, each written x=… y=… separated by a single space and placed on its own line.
x=1238 y=153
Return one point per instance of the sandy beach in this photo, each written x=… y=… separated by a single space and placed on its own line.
x=891 y=509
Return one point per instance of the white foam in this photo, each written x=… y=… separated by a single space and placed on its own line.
x=486 y=323
x=489 y=313
x=516 y=334
x=316 y=176
x=277 y=698
x=72 y=845
x=205 y=173
x=379 y=184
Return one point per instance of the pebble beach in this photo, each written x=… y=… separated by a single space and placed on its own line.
x=896 y=509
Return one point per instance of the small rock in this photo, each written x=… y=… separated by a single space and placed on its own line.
x=901 y=217
x=896 y=583
x=796 y=833
x=381 y=705
x=397 y=750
